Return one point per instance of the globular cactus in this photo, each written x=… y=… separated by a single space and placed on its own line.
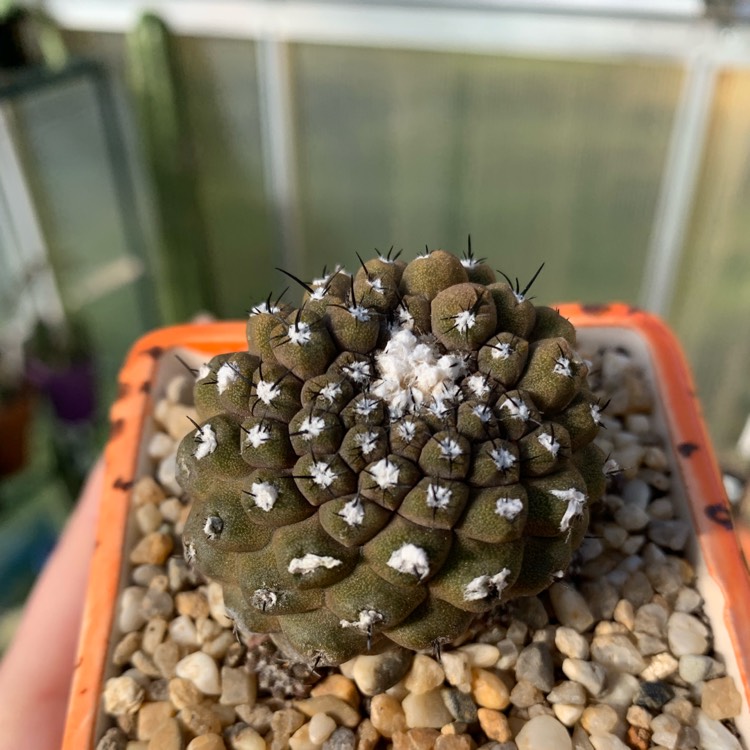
x=404 y=451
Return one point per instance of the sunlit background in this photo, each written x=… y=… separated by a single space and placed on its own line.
x=159 y=159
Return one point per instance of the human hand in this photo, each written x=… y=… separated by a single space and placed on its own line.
x=37 y=669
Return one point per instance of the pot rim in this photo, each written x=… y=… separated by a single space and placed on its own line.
x=694 y=460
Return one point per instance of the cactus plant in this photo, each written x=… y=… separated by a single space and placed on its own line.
x=409 y=448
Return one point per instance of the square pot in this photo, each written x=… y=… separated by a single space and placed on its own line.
x=698 y=492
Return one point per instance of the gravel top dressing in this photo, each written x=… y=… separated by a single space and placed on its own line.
x=616 y=654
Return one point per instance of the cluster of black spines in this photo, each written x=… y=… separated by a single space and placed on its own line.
x=340 y=528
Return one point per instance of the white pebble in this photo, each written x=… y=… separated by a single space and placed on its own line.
x=321 y=728
x=183 y=631
x=607 y=742
x=160 y=446
x=617 y=652
x=588 y=674
x=571 y=643
x=481 y=654
x=508 y=654
x=570 y=607
x=543 y=731
x=122 y=696
x=131 y=618
x=715 y=735
x=686 y=634
x=167 y=474
x=202 y=671
x=694 y=668
x=426 y=710
x=688 y=600
x=457 y=669
x=567 y=713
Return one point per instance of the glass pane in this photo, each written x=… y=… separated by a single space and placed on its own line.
x=540 y=160
x=712 y=306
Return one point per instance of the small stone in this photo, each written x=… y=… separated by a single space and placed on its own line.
x=517 y=632
x=426 y=710
x=637 y=589
x=535 y=666
x=425 y=674
x=494 y=724
x=625 y=614
x=154 y=549
x=571 y=643
x=207 y=742
x=652 y=619
x=148 y=518
x=621 y=689
x=489 y=690
x=567 y=713
x=662 y=665
x=321 y=727
x=183 y=693
x=528 y=609
x=340 y=686
x=146 y=491
x=113 y=739
x=248 y=739
x=568 y=692
x=636 y=493
x=157 y=604
x=671 y=534
x=720 y=699
x=588 y=674
x=508 y=654
x=688 y=600
x=171 y=510
x=122 y=696
x=215 y=597
x=570 y=607
x=145 y=664
x=638 y=716
x=632 y=518
x=191 y=603
x=457 y=668
x=143 y=575
x=666 y=579
x=601 y=596
x=342 y=739
x=199 y=720
x=367 y=736
x=695 y=668
x=237 y=686
x=183 y=632
x=665 y=730
x=166 y=473
x=153 y=634
x=525 y=695
x=218 y=647
x=375 y=674
x=617 y=652
x=160 y=446
x=336 y=708
x=599 y=719
x=543 y=732
x=131 y=618
x=284 y=724
x=125 y=648
x=686 y=634
x=461 y=705
x=454 y=742
x=607 y=742
x=682 y=709
x=202 y=671
x=166 y=656
x=167 y=737
x=415 y=739
x=259 y=717
x=483 y=655
x=714 y=734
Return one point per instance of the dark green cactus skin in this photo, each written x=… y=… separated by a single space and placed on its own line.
x=408 y=449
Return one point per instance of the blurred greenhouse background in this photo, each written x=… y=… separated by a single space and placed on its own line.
x=158 y=159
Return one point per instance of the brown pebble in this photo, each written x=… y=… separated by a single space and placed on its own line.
x=166 y=656
x=638 y=738
x=199 y=720
x=167 y=737
x=489 y=690
x=147 y=490
x=340 y=686
x=154 y=548
x=191 y=603
x=144 y=663
x=720 y=699
x=257 y=717
x=494 y=724
x=387 y=715
x=336 y=708
x=415 y=739
x=284 y=724
x=207 y=742
x=125 y=648
x=153 y=634
x=112 y=739
x=151 y=716
x=454 y=742
x=367 y=735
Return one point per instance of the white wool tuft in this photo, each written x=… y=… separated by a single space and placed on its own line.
x=366 y=406
x=410 y=559
x=517 y=410
x=503 y=458
x=549 y=443
x=469 y=262
x=405 y=318
x=359 y=313
x=407 y=431
x=359 y=372
x=502 y=351
x=353 y=513
x=562 y=367
x=508 y=507
x=267 y=391
x=450 y=449
x=322 y=474
x=203 y=371
x=367 y=442
x=264 y=494
x=596 y=413
x=310 y=562
x=257 y=435
x=264 y=307
x=478 y=385
x=485 y=586
x=311 y=427
x=299 y=333
x=438 y=497
x=331 y=392
x=225 y=376
x=483 y=412
x=207 y=441
x=576 y=501
x=376 y=285
x=385 y=473
x=367 y=619
x=264 y=599
x=464 y=321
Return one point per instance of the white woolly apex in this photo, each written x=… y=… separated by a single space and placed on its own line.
x=322 y=474
x=203 y=371
x=264 y=599
x=562 y=367
x=384 y=473
x=326 y=279
x=464 y=321
x=422 y=256
x=376 y=285
x=483 y=587
x=213 y=526
x=549 y=443
x=367 y=442
x=469 y=262
x=264 y=307
x=319 y=292
x=410 y=559
x=264 y=494
x=559 y=574
x=519 y=297
x=311 y=427
x=359 y=313
x=412 y=372
x=207 y=442
x=439 y=408
x=576 y=501
x=503 y=458
x=450 y=448
x=353 y=513
x=596 y=413
x=367 y=619
x=267 y=391
x=438 y=497
x=407 y=430
x=483 y=412
x=502 y=351
x=299 y=333
x=508 y=507
x=517 y=410
x=478 y=385
x=310 y=562
x=331 y=392
x=405 y=318
x=257 y=435
x=225 y=376
x=366 y=406
x=359 y=372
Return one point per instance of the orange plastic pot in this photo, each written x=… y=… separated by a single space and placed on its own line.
x=723 y=576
